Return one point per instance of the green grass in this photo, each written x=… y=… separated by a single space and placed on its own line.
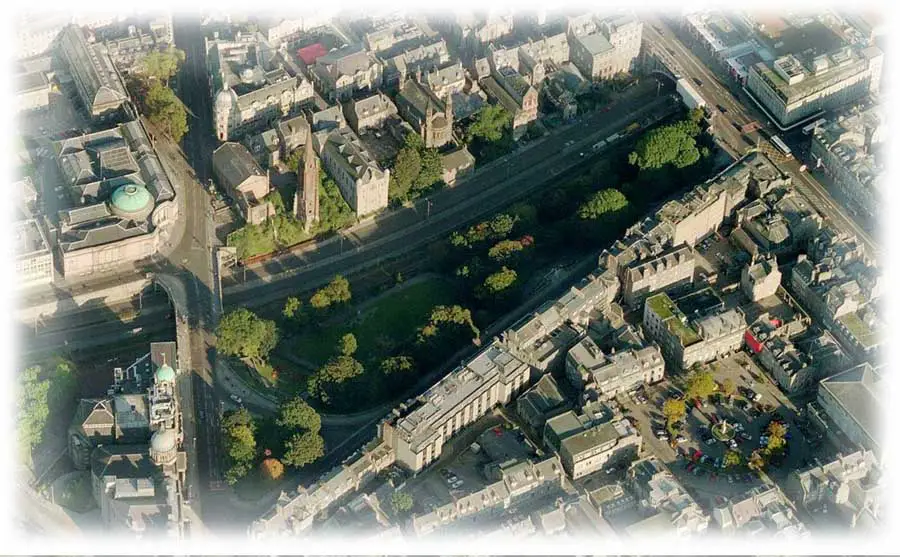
x=661 y=306
x=687 y=335
x=381 y=328
x=859 y=329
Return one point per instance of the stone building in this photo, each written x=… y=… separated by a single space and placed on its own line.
x=237 y=173
x=418 y=430
x=119 y=202
x=848 y=151
x=601 y=48
x=430 y=116
x=760 y=278
x=516 y=95
x=306 y=198
x=669 y=269
x=34 y=257
x=250 y=91
x=98 y=83
x=608 y=375
x=688 y=336
x=343 y=72
x=370 y=112
x=848 y=409
x=795 y=87
x=605 y=444
x=363 y=183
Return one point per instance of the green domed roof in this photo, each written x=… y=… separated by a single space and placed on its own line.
x=131 y=198
x=165 y=373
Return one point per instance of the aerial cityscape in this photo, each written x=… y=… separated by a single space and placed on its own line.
x=396 y=276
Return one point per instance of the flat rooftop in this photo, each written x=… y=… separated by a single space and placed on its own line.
x=28 y=238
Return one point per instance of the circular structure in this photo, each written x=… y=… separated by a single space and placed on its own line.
x=131 y=201
x=165 y=373
x=723 y=431
x=163 y=441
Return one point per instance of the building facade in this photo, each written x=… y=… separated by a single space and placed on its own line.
x=606 y=444
x=370 y=112
x=362 y=181
x=236 y=171
x=430 y=116
x=417 y=431
x=341 y=73
x=608 y=375
x=600 y=49
x=791 y=90
x=306 y=198
x=670 y=269
x=761 y=279
x=34 y=257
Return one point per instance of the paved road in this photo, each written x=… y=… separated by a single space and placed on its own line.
x=715 y=93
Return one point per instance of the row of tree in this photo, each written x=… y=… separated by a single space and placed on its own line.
x=40 y=389
x=149 y=88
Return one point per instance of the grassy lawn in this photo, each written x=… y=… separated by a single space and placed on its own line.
x=381 y=327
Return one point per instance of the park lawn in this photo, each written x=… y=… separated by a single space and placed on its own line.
x=382 y=327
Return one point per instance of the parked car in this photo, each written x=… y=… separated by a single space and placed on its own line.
x=711 y=441
x=730 y=479
x=680 y=439
x=718 y=463
x=746 y=436
x=236 y=398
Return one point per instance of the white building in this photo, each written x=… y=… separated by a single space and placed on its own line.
x=34 y=258
x=765 y=512
x=601 y=48
x=417 y=430
x=588 y=368
x=792 y=89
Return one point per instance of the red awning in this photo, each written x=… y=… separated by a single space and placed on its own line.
x=751 y=341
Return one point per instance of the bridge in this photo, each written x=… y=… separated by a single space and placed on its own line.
x=656 y=60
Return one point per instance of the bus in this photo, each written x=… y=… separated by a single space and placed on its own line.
x=809 y=128
x=777 y=142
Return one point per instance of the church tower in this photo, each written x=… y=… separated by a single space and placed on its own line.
x=306 y=200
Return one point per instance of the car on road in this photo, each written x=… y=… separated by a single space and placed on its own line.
x=718 y=463
x=681 y=439
x=730 y=479
x=722 y=109
x=235 y=398
x=698 y=82
x=710 y=441
x=704 y=459
x=746 y=436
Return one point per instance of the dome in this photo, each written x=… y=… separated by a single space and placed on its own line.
x=163 y=441
x=165 y=373
x=131 y=201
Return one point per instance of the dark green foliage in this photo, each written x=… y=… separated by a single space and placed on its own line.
x=298 y=414
x=489 y=124
x=500 y=281
x=348 y=345
x=303 y=448
x=165 y=111
x=330 y=383
x=242 y=333
x=397 y=364
x=40 y=389
x=601 y=204
x=675 y=144
x=334 y=293
x=162 y=65
x=239 y=439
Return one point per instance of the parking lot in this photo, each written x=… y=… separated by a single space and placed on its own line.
x=709 y=482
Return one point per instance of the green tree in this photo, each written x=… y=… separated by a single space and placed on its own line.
x=505 y=250
x=489 y=124
x=432 y=170
x=303 y=448
x=756 y=461
x=401 y=502
x=329 y=381
x=33 y=411
x=728 y=387
x=274 y=197
x=163 y=65
x=502 y=225
x=496 y=283
x=298 y=414
x=671 y=144
x=334 y=213
x=165 y=111
x=335 y=292
x=601 y=204
x=242 y=333
x=673 y=410
x=407 y=167
x=348 y=345
x=239 y=434
x=251 y=240
x=397 y=364
x=291 y=307
x=701 y=385
x=732 y=458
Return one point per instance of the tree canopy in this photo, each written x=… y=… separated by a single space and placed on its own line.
x=348 y=345
x=498 y=282
x=298 y=414
x=453 y=315
x=242 y=333
x=335 y=292
x=506 y=250
x=303 y=448
x=401 y=502
x=489 y=123
x=728 y=387
x=272 y=468
x=732 y=458
x=673 y=410
x=415 y=169
x=163 y=65
x=239 y=434
x=41 y=388
x=674 y=144
x=291 y=306
x=397 y=364
x=329 y=381
x=165 y=111
x=602 y=203
x=701 y=385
